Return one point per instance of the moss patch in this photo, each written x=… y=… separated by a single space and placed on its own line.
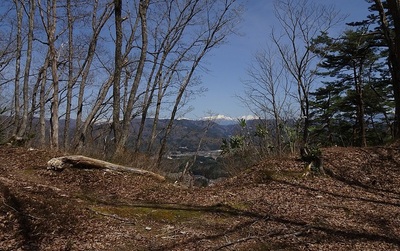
x=166 y=215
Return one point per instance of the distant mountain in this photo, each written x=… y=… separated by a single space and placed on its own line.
x=226 y=120
x=221 y=119
x=185 y=136
x=187 y=133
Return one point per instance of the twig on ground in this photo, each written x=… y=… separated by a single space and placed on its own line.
x=125 y=220
x=18 y=212
x=236 y=242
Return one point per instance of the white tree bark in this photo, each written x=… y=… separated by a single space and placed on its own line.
x=79 y=161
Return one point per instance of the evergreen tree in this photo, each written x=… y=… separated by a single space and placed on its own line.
x=352 y=107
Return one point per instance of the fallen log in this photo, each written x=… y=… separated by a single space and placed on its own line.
x=79 y=161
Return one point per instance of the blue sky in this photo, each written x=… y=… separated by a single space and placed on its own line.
x=227 y=64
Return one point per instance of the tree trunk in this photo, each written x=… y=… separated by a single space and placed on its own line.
x=17 y=105
x=163 y=85
x=394 y=53
x=178 y=99
x=81 y=127
x=54 y=121
x=155 y=121
x=301 y=22
x=70 y=76
x=117 y=71
x=81 y=132
x=79 y=161
x=148 y=99
x=126 y=126
x=29 y=121
x=360 y=108
x=394 y=56
x=42 y=102
x=39 y=88
x=49 y=24
x=25 y=88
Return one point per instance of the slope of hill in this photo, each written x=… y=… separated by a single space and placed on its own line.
x=268 y=207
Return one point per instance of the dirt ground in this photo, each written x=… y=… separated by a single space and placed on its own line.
x=271 y=206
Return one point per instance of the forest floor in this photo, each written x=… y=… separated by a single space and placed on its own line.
x=270 y=206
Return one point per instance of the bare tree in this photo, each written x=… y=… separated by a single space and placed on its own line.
x=40 y=87
x=70 y=84
x=267 y=93
x=217 y=23
x=9 y=103
x=117 y=70
x=147 y=76
x=99 y=18
x=128 y=110
x=48 y=16
x=168 y=32
x=7 y=44
x=25 y=88
x=165 y=40
x=301 y=21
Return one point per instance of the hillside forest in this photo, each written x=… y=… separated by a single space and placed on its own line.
x=97 y=77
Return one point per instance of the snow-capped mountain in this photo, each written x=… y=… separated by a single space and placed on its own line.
x=220 y=119
x=226 y=120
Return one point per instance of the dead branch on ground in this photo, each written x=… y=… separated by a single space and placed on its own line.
x=79 y=161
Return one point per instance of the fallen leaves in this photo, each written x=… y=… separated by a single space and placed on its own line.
x=267 y=207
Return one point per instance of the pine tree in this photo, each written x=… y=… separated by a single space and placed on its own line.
x=354 y=101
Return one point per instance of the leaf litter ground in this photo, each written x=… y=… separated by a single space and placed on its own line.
x=270 y=206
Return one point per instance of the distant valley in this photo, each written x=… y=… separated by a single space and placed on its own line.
x=187 y=134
